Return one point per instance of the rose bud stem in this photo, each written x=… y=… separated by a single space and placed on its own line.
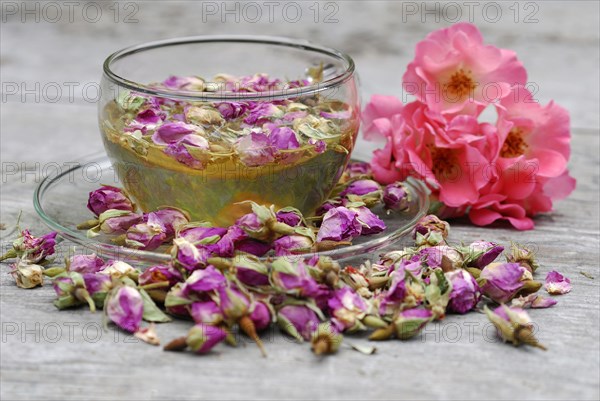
x=86 y=225
x=220 y=263
x=524 y=335
x=475 y=272
x=83 y=294
x=178 y=344
x=327 y=245
x=530 y=286
x=377 y=282
x=53 y=271
x=247 y=326
x=153 y=286
x=11 y=254
x=321 y=346
x=119 y=240
x=383 y=333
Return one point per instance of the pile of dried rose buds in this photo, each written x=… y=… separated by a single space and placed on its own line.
x=312 y=299
x=339 y=220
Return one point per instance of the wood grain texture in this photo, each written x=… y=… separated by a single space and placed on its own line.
x=46 y=354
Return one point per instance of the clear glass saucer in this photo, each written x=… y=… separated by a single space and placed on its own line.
x=61 y=200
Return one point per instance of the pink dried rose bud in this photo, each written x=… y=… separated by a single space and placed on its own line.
x=206 y=312
x=202 y=281
x=109 y=197
x=261 y=315
x=203 y=337
x=557 y=284
x=148 y=235
x=171 y=218
x=482 y=253
x=501 y=282
x=362 y=187
x=293 y=245
x=465 y=292
x=251 y=271
x=71 y=291
x=187 y=255
x=117 y=269
x=370 y=222
x=524 y=256
x=125 y=308
x=347 y=309
x=292 y=277
x=115 y=222
x=32 y=249
x=160 y=274
x=513 y=325
x=396 y=197
x=339 y=224
x=85 y=263
x=299 y=321
x=290 y=216
x=432 y=223
x=410 y=322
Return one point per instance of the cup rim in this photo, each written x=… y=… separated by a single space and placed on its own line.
x=309 y=90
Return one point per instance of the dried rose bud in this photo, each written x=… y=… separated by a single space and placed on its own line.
x=503 y=281
x=200 y=233
x=32 y=249
x=514 y=325
x=410 y=322
x=255 y=149
x=98 y=286
x=253 y=247
x=206 y=312
x=357 y=281
x=523 y=256
x=357 y=169
x=396 y=197
x=232 y=110
x=262 y=224
x=125 y=307
x=299 y=321
x=437 y=293
x=326 y=339
x=187 y=255
x=292 y=277
x=261 y=315
x=160 y=274
x=108 y=197
x=234 y=304
x=347 y=309
x=27 y=275
x=533 y=301
x=290 y=216
x=362 y=187
x=432 y=224
x=177 y=301
x=371 y=223
x=251 y=271
x=556 y=283
x=339 y=224
x=293 y=245
x=202 y=281
x=85 y=263
x=204 y=115
x=71 y=291
x=465 y=292
x=148 y=235
x=203 y=337
x=171 y=218
x=117 y=269
x=115 y=222
x=481 y=253
x=443 y=256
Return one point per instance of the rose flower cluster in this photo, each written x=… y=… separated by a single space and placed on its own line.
x=510 y=169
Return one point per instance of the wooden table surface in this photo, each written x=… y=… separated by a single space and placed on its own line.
x=47 y=354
